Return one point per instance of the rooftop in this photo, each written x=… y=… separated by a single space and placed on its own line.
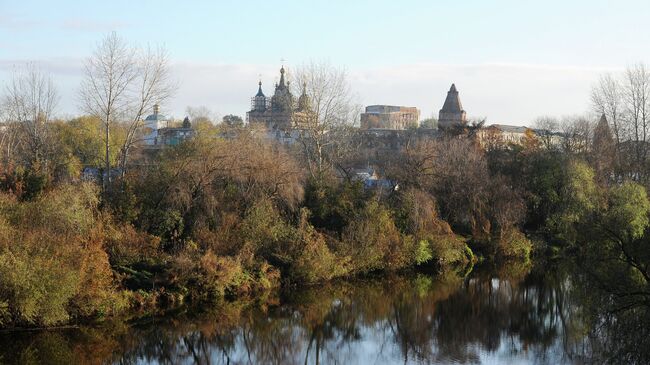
x=509 y=128
x=452 y=102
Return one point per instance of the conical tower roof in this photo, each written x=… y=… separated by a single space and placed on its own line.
x=259 y=91
x=602 y=130
x=282 y=99
x=452 y=102
x=603 y=120
x=304 y=103
x=281 y=85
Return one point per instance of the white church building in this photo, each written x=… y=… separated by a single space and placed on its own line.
x=152 y=124
x=158 y=133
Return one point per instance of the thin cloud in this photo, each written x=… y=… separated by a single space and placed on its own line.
x=15 y=22
x=63 y=66
x=504 y=93
x=87 y=25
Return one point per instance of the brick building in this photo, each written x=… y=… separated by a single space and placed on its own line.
x=389 y=117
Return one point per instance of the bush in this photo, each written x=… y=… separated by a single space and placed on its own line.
x=374 y=243
x=450 y=250
x=416 y=214
x=514 y=244
x=125 y=245
x=207 y=277
x=52 y=263
x=313 y=260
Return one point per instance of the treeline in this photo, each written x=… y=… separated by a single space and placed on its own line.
x=231 y=214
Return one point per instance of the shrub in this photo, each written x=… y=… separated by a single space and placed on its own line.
x=374 y=243
x=514 y=244
x=313 y=260
x=450 y=250
x=416 y=214
x=125 y=245
x=52 y=265
x=423 y=252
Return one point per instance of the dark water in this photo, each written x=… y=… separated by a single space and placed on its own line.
x=514 y=314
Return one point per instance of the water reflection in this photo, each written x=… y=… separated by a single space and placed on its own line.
x=511 y=315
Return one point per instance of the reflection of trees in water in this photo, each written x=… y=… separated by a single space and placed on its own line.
x=418 y=319
x=490 y=314
x=497 y=313
x=619 y=321
x=622 y=337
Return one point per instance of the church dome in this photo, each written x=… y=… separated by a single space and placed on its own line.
x=259 y=91
x=282 y=100
x=259 y=101
x=304 y=103
x=156 y=116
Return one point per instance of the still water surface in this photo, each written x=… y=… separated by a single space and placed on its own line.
x=510 y=315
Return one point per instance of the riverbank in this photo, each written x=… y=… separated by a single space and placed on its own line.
x=219 y=218
x=490 y=314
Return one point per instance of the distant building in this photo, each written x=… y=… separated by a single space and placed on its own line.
x=174 y=136
x=389 y=117
x=158 y=133
x=279 y=112
x=371 y=179
x=503 y=134
x=452 y=114
x=152 y=124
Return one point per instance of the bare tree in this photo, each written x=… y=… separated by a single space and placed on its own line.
x=29 y=103
x=636 y=95
x=492 y=139
x=546 y=128
x=576 y=134
x=201 y=114
x=105 y=93
x=606 y=99
x=603 y=151
x=8 y=140
x=326 y=132
x=122 y=82
x=153 y=85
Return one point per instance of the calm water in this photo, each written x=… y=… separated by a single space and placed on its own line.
x=510 y=315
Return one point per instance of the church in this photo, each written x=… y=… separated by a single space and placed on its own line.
x=159 y=131
x=280 y=112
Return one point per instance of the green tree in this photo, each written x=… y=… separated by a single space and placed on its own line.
x=577 y=200
x=627 y=215
x=233 y=120
x=83 y=138
x=429 y=123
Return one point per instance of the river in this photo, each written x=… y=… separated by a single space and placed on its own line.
x=512 y=314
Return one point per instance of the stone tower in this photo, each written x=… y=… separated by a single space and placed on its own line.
x=452 y=113
x=260 y=101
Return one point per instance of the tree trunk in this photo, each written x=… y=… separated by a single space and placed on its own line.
x=107 y=166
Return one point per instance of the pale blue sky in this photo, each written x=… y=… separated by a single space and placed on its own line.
x=511 y=60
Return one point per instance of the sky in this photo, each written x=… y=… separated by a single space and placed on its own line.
x=511 y=60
